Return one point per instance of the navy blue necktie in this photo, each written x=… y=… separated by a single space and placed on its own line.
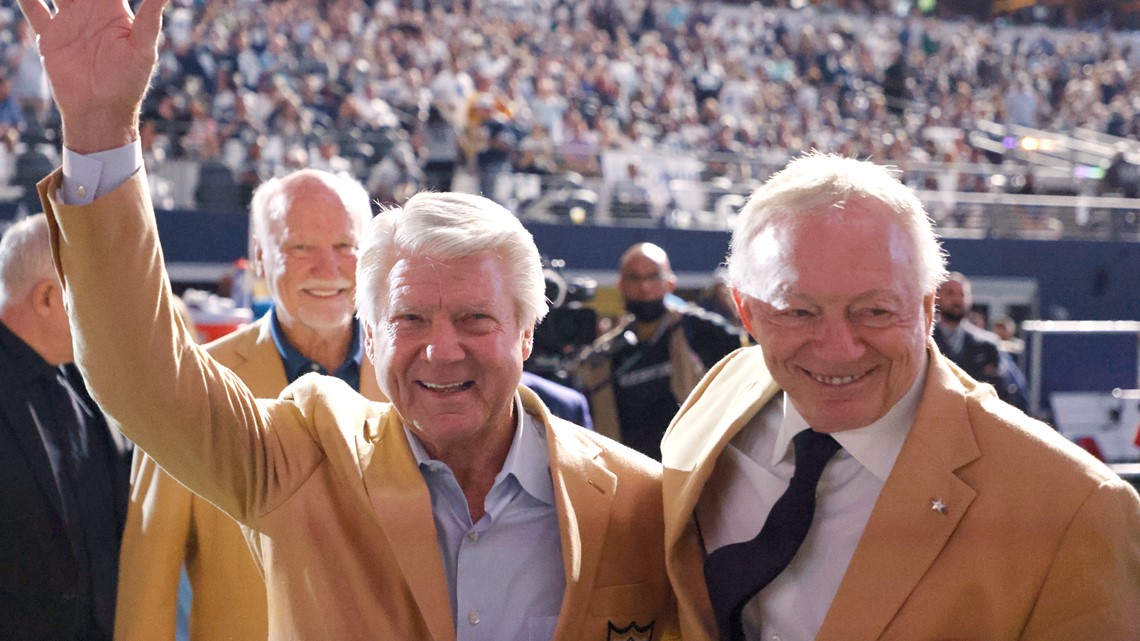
x=736 y=572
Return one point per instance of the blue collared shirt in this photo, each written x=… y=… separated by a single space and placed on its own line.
x=504 y=573
x=297 y=364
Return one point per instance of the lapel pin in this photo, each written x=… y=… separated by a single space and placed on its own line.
x=938 y=506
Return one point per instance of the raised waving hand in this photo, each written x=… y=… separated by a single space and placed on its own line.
x=99 y=57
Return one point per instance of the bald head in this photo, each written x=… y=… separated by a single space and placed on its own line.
x=644 y=279
x=647 y=252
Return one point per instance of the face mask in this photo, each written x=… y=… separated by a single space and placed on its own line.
x=646 y=311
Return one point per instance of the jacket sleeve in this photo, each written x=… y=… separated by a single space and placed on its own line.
x=1092 y=590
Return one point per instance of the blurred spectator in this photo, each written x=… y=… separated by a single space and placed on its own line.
x=437 y=144
x=29 y=88
x=397 y=175
x=579 y=149
x=536 y=153
x=32 y=165
x=1122 y=177
x=491 y=140
x=11 y=113
x=1006 y=330
x=1022 y=103
x=717 y=298
x=217 y=189
x=970 y=346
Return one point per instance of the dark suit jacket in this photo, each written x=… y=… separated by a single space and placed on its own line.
x=983 y=361
x=979 y=355
x=564 y=402
x=39 y=571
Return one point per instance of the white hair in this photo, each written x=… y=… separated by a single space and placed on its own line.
x=446 y=226
x=25 y=258
x=273 y=198
x=819 y=184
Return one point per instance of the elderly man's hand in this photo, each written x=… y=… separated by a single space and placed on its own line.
x=99 y=58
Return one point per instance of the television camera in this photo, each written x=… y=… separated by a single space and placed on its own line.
x=568 y=329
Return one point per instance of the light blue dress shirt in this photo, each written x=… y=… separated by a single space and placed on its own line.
x=504 y=573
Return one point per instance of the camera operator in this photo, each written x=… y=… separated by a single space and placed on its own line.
x=637 y=374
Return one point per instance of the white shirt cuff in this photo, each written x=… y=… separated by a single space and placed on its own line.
x=89 y=176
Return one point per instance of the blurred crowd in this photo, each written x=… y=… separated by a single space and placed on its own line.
x=413 y=93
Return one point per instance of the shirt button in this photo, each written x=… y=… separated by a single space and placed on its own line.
x=473 y=536
x=776 y=637
x=81 y=191
x=314 y=367
x=473 y=618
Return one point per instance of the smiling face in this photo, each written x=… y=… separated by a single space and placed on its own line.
x=308 y=261
x=842 y=321
x=449 y=349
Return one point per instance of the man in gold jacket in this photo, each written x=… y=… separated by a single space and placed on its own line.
x=463 y=508
x=311 y=327
x=943 y=512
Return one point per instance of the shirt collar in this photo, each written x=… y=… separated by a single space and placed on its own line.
x=875 y=446
x=528 y=460
x=297 y=365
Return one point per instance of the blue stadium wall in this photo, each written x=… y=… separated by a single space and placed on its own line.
x=1092 y=280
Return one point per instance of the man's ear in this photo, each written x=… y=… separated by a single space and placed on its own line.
x=257 y=261
x=45 y=295
x=369 y=345
x=743 y=310
x=528 y=342
x=928 y=311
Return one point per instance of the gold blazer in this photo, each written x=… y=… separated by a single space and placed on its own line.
x=168 y=525
x=1039 y=540
x=323 y=481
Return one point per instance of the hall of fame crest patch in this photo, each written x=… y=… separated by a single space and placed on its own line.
x=631 y=632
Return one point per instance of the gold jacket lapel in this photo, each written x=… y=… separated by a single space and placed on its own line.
x=252 y=355
x=919 y=508
x=402 y=506
x=583 y=492
x=733 y=392
x=713 y=414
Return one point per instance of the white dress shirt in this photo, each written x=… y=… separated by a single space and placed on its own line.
x=752 y=473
